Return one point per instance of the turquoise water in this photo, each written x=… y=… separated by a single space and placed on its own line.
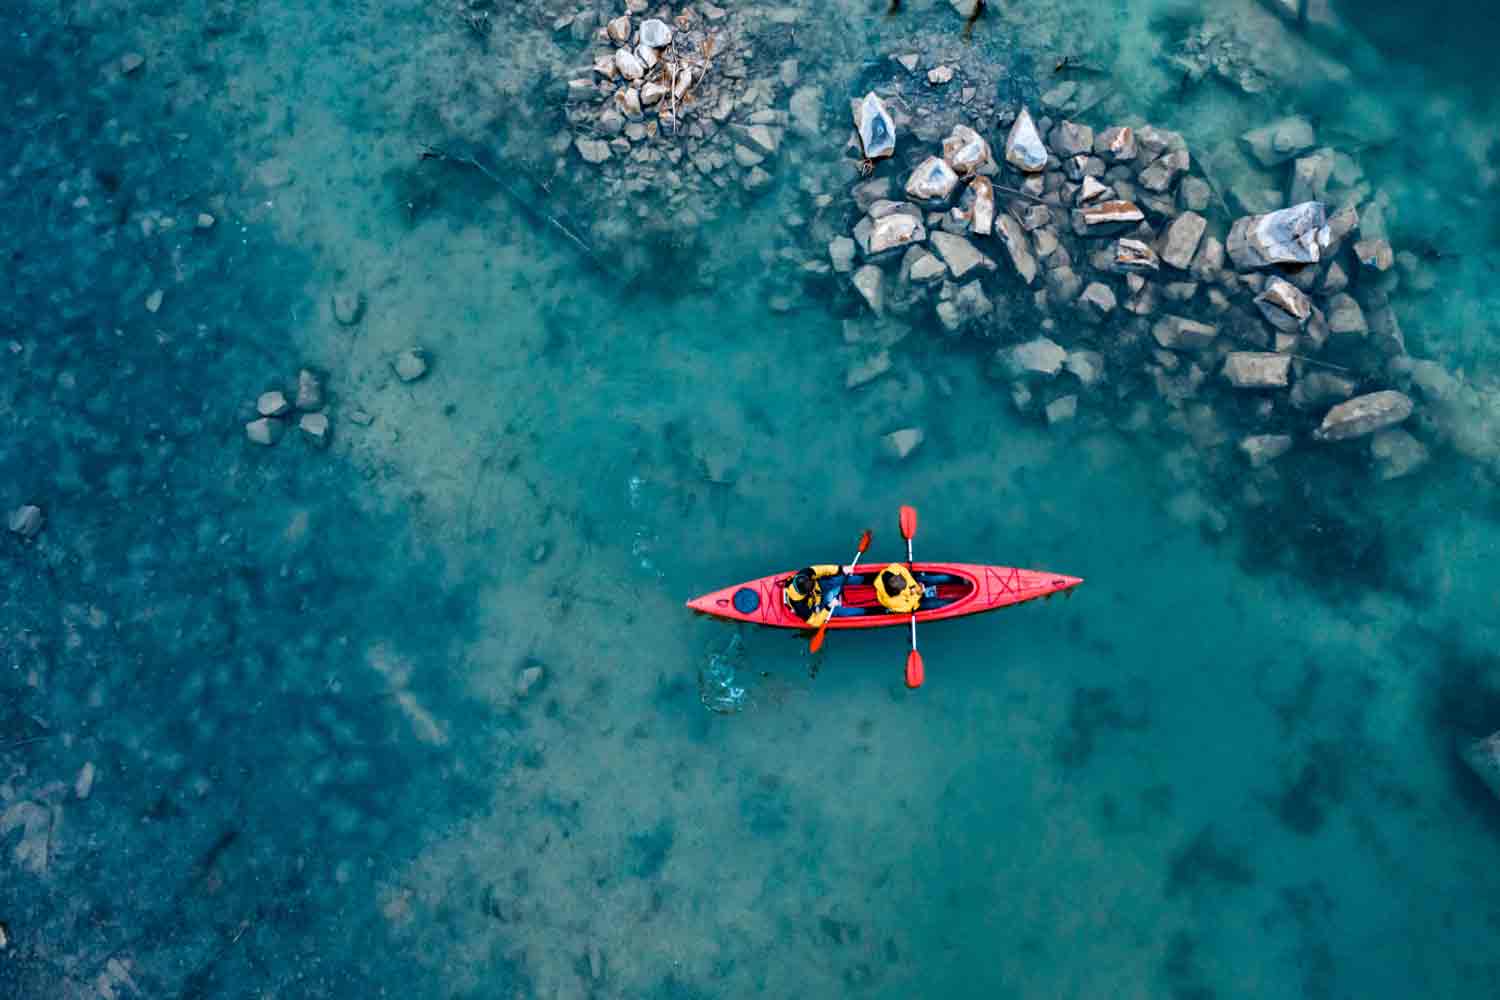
x=264 y=728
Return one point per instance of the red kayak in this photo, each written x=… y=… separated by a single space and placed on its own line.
x=954 y=590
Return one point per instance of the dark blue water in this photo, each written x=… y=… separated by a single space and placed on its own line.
x=419 y=713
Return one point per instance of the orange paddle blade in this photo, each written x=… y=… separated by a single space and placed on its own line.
x=908 y=522
x=817 y=639
x=915 y=672
x=864 y=541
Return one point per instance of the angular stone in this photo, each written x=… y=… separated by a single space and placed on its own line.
x=1310 y=177
x=1086 y=366
x=870 y=284
x=1164 y=171
x=1024 y=148
x=26 y=521
x=1062 y=409
x=1017 y=247
x=1209 y=260
x=806 y=107
x=933 y=180
x=1374 y=255
x=652 y=93
x=272 y=404
x=965 y=150
x=984 y=205
x=315 y=427
x=1072 y=139
x=1280 y=141
x=1041 y=356
x=1257 y=369
x=1346 y=317
x=894 y=230
x=1064 y=284
x=1315 y=389
x=868 y=370
x=1117 y=144
x=628 y=103
x=1093 y=190
x=959 y=254
x=970 y=304
x=1112 y=213
x=1483 y=756
x=656 y=33
x=629 y=65
x=1133 y=255
x=1179 y=333
x=592 y=150
x=925 y=267
x=619 y=29
x=1363 y=415
x=264 y=430
x=1180 y=241
x=1097 y=300
x=841 y=253
x=1284 y=305
x=1293 y=235
x=1396 y=453
x=939 y=75
x=410 y=364
x=900 y=444
x=1263 y=449
x=1194 y=194
x=876 y=127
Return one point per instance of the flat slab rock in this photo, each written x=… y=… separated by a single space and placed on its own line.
x=1295 y=235
x=1257 y=369
x=1363 y=415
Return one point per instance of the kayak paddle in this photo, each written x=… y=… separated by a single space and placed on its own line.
x=914 y=668
x=817 y=639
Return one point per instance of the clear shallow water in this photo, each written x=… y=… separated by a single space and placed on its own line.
x=296 y=673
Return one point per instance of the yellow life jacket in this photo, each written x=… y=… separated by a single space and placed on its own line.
x=808 y=605
x=906 y=598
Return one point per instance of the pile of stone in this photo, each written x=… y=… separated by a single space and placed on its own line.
x=1134 y=283
x=275 y=413
x=667 y=94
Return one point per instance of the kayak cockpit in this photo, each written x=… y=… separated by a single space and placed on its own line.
x=859 y=598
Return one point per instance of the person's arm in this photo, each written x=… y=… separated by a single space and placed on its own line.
x=818 y=617
x=822 y=572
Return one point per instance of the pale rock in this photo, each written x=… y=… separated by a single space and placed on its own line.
x=866 y=371
x=841 y=252
x=26 y=521
x=628 y=102
x=581 y=89
x=1280 y=141
x=410 y=364
x=528 y=679
x=611 y=123
x=747 y=157
x=1257 y=369
x=1117 y=145
x=1017 y=247
x=1041 y=356
x=877 y=130
x=629 y=65
x=895 y=230
x=964 y=8
x=1064 y=283
x=870 y=284
x=619 y=29
x=1180 y=241
x=1310 y=176
x=1263 y=449
x=656 y=33
x=1483 y=756
x=592 y=150
x=1284 y=305
x=806 y=107
x=1086 y=366
x=925 y=267
x=1396 y=453
x=272 y=404
x=764 y=137
x=652 y=93
x=965 y=150
x=83 y=784
x=1035 y=217
x=757 y=179
x=933 y=180
x=909 y=61
x=959 y=254
x=1295 y=235
x=1317 y=388
x=1374 y=255
x=1024 y=148
x=1208 y=262
x=984 y=205
x=264 y=430
x=1346 y=317
x=1363 y=415
x=940 y=75
x=309 y=391
x=154 y=300
x=205 y=221
x=1097 y=301
x=1062 y=409
x=315 y=427
x=1194 y=194
x=899 y=444
x=1179 y=333
x=1133 y=255
x=971 y=303
x=1072 y=139
x=1092 y=190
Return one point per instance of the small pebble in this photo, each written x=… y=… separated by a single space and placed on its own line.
x=272 y=404
x=205 y=221
x=527 y=680
x=26 y=521
x=939 y=75
x=411 y=364
x=83 y=785
x=131 y=61
x=153 y=301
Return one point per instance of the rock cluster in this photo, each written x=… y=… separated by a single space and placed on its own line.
x=1272 y=328
x=668 y=104
x=274 y=413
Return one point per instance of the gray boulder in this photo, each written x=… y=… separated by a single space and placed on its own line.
x=876 y=127
x=959 y=254
x=1284 y=305
x=1363 y=415
x=1295 y=235
x=841 y=253
x=965 y=150
x=26 y=521
x=1135 y=256
x=1263 y=449
x=1180 y=242
x=1024 y=148
x=1041 y=356
x=1178 y=333
x=1017 y=247
x=898 y=229
x=870 y=284
x=933 y=180
x=1280 y=141
x=1072 y=139
x=1117 y=145
x=1396 y=453
x=1257 y=369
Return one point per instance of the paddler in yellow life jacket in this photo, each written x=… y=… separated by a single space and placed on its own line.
x=804 y=594
x=897 y=589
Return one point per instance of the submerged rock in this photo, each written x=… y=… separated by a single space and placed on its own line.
x=896 y=229
x=1086 y=366
x=1017 y=247
x=841 y=254
x=309 y=390
x=877 y=130
x=1024 y=148
x=1061 y=410
x=1112 y=213
x=870 y=284
x=348 y=306
x=315 y=426
x=410 y=364
x=1284 y=305
x=1257 y=369
x=1180 y=242
x=656 y=33
x=26 y=521
x=1097 y=301
x=1262 y=449
x=959 y=254
x=899 y=444
x=272 y=404
x=1116 y=145
x=1072 y=139
x=866 y=371
x=1178 y=333
x=1135 y=256
x=1396 y=453
x=592 y=150
x=1041 y=356
x=1364 y=415
x=1280 y=141
x=264 y=430
x=1483 y=756
x=1293 y=235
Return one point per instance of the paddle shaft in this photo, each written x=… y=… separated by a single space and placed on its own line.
x=817 y=640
